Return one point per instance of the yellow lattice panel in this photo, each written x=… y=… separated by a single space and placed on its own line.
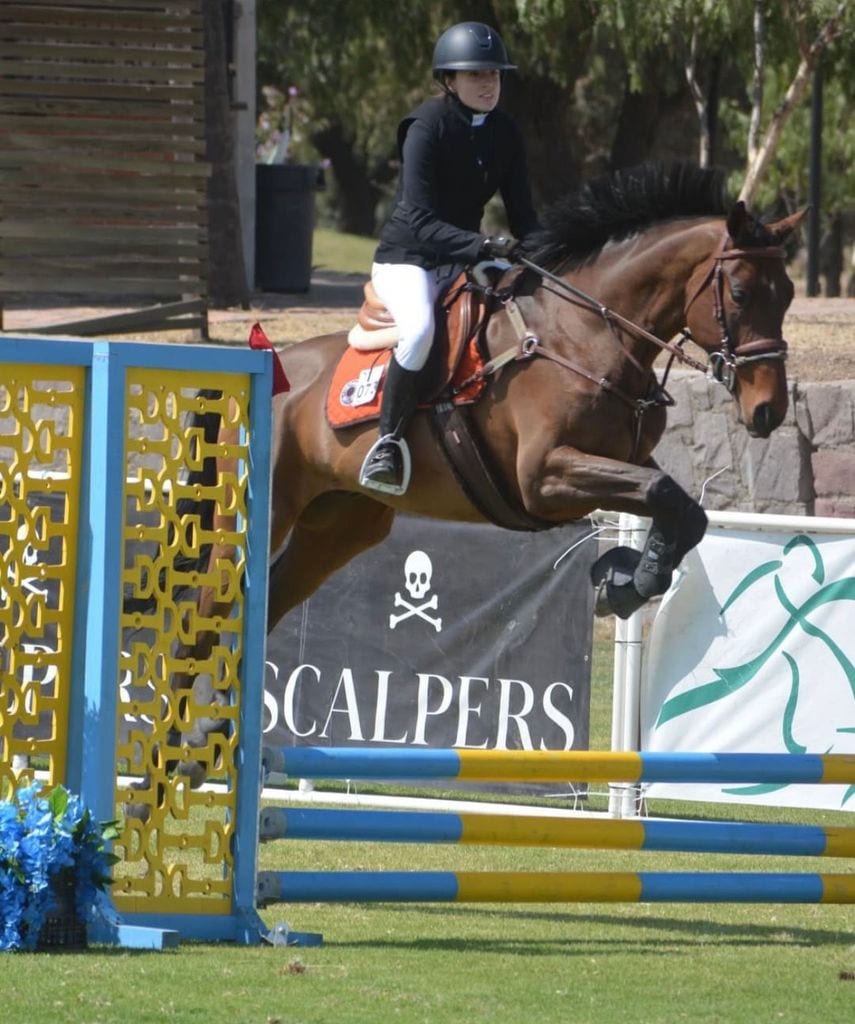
x=176 y=847
x=41 y=428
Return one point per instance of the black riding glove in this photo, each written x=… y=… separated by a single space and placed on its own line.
x=501 y=247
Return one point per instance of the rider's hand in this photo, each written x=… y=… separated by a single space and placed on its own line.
x=501 y=247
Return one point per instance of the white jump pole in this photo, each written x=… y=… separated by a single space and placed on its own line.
x=627 y=677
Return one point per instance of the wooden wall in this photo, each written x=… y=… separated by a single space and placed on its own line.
x=102 y=145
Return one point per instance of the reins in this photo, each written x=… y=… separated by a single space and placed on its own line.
x=722 y=364
x=611 y=317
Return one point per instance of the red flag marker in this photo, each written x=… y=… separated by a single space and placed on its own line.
x=259 y=340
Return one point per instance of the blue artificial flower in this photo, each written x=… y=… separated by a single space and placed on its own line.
x=40 y=837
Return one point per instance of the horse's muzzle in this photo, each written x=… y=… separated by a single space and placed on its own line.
x=764 y=420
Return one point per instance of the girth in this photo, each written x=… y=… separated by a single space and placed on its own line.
x=475 y=470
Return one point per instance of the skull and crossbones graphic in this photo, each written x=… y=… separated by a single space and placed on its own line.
x=418 y=572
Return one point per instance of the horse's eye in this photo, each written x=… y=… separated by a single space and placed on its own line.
x=739 y=295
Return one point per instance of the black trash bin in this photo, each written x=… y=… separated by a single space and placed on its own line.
x=284 y=222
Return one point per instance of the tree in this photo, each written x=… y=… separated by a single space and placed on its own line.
x=811 y=42
x=601 y=83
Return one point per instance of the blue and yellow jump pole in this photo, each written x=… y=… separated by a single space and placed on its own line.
x=463 y=765
x=580 y=833
x=410 y=765
x=552 y=887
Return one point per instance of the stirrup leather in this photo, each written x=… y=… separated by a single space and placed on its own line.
x=406 y=466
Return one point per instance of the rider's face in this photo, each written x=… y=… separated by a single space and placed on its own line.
x=478 y=90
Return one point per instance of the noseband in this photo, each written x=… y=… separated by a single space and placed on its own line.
x=725 y=362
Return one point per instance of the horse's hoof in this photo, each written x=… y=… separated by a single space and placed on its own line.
x=656 y=567
x=617 y=565
x=694 y=526
x=622 y=600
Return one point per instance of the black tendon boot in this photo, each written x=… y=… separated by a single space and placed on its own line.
x=387 y=464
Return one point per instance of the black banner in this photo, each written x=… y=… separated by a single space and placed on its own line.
x=445 y=635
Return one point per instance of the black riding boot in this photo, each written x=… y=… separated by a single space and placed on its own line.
x=386 y=466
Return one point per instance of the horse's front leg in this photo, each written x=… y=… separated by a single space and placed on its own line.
x=678 y=524
x=626 y=579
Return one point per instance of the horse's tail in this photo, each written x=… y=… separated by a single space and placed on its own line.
x=201 y=509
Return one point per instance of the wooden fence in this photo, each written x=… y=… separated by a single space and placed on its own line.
x=102 y=146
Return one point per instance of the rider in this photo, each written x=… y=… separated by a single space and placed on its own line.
x=456 y=152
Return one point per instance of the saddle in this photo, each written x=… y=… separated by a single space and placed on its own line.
x=458 y=352
x=453 y=382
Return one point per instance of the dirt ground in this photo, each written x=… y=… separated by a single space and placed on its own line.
x=820 y=331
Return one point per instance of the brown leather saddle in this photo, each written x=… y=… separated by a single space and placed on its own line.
x=458 y=352
x=453 y=382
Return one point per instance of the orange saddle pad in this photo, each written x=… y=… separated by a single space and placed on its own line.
x=356 y=388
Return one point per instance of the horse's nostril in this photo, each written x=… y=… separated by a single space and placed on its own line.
x=764 y=420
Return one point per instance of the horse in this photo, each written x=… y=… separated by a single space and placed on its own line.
x=572 y=408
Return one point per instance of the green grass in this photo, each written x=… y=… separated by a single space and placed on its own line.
x=593 y=963
x=345 y=254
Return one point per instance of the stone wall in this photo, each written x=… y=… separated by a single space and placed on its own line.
x=807 y=467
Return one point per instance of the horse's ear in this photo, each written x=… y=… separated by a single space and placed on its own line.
x=737 y=221
x=782 y=229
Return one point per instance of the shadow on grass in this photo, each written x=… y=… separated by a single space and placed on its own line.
x=674 y=935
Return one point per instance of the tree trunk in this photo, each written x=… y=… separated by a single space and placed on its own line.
x=759 y=160
x=545 y=116
x=652 y=125
x=356 y=194
x=711 y=119
x=831 y=257
x=757 y=81
x=699 y=98
x=227 y=284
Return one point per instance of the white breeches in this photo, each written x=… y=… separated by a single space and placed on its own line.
x=409 y=293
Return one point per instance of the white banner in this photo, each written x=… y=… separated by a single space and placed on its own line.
x=753 y=649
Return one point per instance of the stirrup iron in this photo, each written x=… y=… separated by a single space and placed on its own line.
x=406 y=467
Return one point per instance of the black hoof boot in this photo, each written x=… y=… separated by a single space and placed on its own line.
x=655 y=567
x=612 y=575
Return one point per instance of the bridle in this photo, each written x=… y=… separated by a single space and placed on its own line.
x=724 y=363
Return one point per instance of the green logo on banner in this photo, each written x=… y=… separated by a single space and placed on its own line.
x=729 y=680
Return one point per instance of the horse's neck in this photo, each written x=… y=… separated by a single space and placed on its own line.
x=646 y=279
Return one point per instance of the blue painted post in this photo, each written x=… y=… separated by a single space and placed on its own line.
x=248 y=761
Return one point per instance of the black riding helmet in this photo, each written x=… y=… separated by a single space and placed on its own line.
x=470 y=46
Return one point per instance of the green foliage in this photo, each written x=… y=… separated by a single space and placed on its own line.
x=360 y=65
x=787 y=175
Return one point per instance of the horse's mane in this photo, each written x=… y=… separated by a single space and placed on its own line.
x=618 y=205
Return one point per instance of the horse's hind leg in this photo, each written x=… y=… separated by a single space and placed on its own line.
x=329 y=532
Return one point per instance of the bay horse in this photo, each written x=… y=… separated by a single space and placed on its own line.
x=570 y=425
x=573 y=409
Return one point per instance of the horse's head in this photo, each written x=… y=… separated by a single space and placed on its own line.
x=735 y=311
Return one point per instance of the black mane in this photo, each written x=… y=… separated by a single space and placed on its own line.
x=617 y=205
